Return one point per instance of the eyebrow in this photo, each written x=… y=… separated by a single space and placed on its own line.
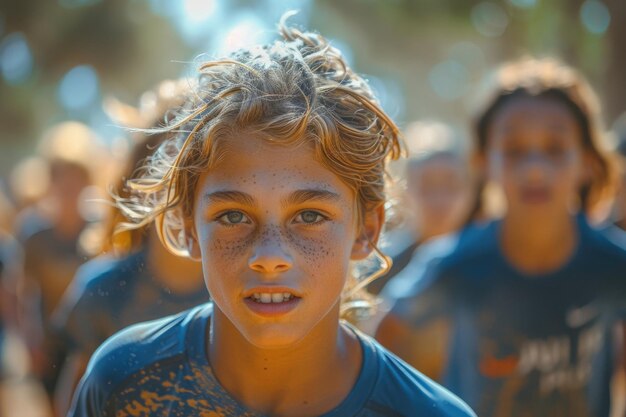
x=230 y=197
x=302 y=196
x=297 y=197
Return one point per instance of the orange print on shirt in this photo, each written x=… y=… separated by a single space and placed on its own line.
x=492 y=367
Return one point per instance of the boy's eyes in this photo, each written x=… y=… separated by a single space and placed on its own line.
x=310 y=217
x=554 y=150
x=233 y=217
x=237 y=217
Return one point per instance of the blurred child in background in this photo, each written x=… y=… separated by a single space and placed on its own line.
x=521 y=304
x=138 y=279
x=52 y=253
x=29 y=183
x=438 y=191
x=10 y=264
x=10 y=270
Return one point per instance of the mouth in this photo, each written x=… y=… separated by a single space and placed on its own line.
x=272 y=301
x=274 y=298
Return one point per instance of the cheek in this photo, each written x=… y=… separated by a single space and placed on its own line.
x=318 y=251
x=497 y=169
x=223 y=252
x=571 y=173
x=311 y=250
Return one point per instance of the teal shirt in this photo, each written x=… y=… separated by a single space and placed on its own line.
x=160 y=368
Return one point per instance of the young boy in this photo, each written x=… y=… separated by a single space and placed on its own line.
x=276 y=186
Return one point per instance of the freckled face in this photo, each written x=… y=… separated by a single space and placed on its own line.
x=275 y=230
x=535 y=153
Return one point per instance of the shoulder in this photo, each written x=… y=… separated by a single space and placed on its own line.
x=476 y=248
x=605 y=244
x=445 y=256
x=105 y=276
x=9 y=247
x=89 y=280
x=616 y=235
x=137 y=349
x=406 y=391
x=38 y=236
x=30 y=222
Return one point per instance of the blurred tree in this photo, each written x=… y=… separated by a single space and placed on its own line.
x=411 y=48
x=130 y=48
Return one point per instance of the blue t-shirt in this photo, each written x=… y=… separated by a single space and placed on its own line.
x=520 y=345
x=160 y=368
x=109 y=294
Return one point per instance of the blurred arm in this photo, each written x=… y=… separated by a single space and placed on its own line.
x=424 y=347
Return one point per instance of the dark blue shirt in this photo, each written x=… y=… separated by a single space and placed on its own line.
x=109 y=294
x=521 y=345
x=160 y=368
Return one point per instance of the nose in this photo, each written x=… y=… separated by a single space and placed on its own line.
x=270 y=255
x=536 y=166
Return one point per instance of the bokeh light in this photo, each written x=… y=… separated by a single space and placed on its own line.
x=595 y=16
x=449 y=79
x=30 y=179
x=16 y=59
x=489 y=19
x=469 y=54
x=199 y=10
x=197 y=20
x=390 y=94
x=79 y=88
x=247 y=30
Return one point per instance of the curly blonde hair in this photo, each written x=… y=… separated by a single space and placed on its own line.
x=155 y=106
x=293 y=91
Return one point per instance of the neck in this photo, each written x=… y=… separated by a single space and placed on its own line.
x=307 y=379
x=538 y=247
x=180 y=275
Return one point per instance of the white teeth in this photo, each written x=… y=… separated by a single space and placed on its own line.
x=267 y=298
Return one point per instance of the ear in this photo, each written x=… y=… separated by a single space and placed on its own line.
x=193 y=246
x=368 y=234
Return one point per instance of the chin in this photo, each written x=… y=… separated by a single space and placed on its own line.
x=274 y=337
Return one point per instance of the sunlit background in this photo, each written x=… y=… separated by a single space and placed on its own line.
x=60 y=58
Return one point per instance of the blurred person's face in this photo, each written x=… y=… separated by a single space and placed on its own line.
x=67 y=183
x=440 y=192
x=534 y=152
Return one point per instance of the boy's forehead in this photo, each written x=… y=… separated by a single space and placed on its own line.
x=254 y=156
x=259 y=166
